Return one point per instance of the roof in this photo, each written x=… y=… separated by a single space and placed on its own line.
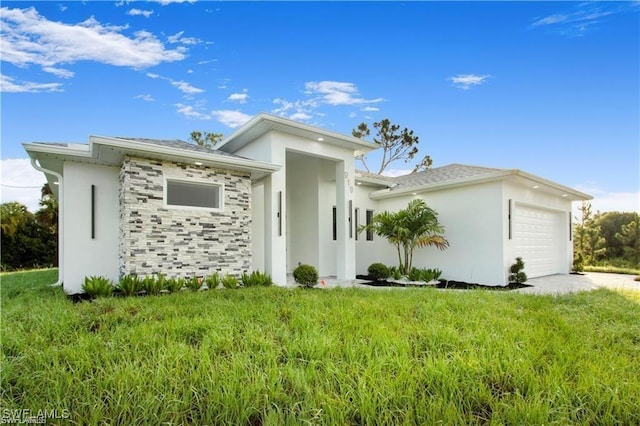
x=454 y=175
x=263 y=123
x=179 y=144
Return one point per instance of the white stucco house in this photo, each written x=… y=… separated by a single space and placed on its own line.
x=277 y=193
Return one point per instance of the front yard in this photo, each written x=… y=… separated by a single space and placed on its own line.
x=342 y=356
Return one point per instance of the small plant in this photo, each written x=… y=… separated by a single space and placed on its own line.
x=256 y=278
x=151 y=285
x=194 y=283
x=428 y=275
x=578 y=263
x=517 y=274
x=173 y=285
x=213 y=280
x=378 y=271
x=229 y=281
x=306 y=275
x=415 y=274
x=130 y=285
x=98 y=286
x=395 y=273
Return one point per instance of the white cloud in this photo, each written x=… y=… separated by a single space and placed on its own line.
x=370 y=108
x=177 y=38
x=352 y=115
x=21 y=182
x=581 y=17
x=300 y=116
x=146 y=97
x=10 y=85
x=166 y=2
x=59 y=72
x=337 y=93
x=466 y=81
x=30 y=38
x=239 y=97
x=191 y=112
x=300 y=110
x=396 y=172
x=152 y=75
x=231 y=118
x=606 y=201
x=186 y=87
x=140 y=12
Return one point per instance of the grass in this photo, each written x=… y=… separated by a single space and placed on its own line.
x=266 y=355
x=612 y=269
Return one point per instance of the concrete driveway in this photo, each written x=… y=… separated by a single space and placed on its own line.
x=562 y=284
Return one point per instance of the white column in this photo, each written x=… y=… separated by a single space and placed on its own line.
x=346 y=248
x=275 y=226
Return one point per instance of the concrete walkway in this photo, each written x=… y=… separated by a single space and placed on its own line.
x=552 y=284
x=562 y=284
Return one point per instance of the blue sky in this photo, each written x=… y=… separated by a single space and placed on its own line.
x=551 y=88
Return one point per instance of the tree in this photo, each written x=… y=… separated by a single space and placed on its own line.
x=408 y=229
x=629 y=235
x=206 y=140
x=25 y=242
x=610 y=224
x=396 y=145
x=47 y=215
x=588 y=241
x=14 y=215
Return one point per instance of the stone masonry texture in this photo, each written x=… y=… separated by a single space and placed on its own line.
x=182 y=242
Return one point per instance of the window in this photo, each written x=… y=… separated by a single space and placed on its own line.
x=335 y=223
x=357 y=221
x=369 y=219
x=193 y=194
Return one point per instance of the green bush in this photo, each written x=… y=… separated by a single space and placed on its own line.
x=229 y=282
x=578 y=263
x=256 y=278
x=130 y=285
x=194 y=283
x=415 y=274
x=378 y=271
x=428 y=275
x=213 y=280
x=173 y=285
x=151 y=285
x=517 y=274
x=306 y=275
x=395 y=273
x=98 y=286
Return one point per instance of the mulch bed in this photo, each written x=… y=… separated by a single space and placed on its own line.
x=444 y=284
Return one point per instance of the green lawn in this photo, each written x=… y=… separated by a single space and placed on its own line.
x=278 y=356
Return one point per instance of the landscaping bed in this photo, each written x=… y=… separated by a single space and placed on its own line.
x=444 y=284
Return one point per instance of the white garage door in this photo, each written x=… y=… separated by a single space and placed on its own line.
x=537 y=234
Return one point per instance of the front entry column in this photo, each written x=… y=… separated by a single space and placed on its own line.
x=345 y=247
x=275 y=227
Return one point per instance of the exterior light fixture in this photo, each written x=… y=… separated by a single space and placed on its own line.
x=536 y=186
x=56 y=183
x=198 y=163
x=320 y=139
x=564 y=195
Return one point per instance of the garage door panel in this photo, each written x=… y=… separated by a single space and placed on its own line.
x=537 y=240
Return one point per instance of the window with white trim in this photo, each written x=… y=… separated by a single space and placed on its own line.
x=189 y=194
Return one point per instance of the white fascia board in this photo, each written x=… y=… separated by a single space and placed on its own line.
x=312 y=132
x=77 y=151
x=186 y=156
x=373 y=181
x=484 y=178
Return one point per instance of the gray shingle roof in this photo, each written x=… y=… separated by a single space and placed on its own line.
x=449 y=173
x=180 y=144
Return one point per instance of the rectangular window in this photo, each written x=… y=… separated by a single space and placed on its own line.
x=357 y=221
x=335 y=223
x=369 y=220
x=180 y=193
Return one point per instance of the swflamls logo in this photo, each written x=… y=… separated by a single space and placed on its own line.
x=28 y=416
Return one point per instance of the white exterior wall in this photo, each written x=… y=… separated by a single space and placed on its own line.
x=83 y=255
x=473 y=223
x=529 y=197
x=257 y=223
x=378 y=250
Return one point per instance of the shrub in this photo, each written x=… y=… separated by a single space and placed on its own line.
x=129 y=285
x=194 y=283
x=256 y=278
x=517 y=274
x=213 y=280
x=97 y=286
x=428 y=275
x=578 y=263
x=395 y=272
x=306 y=275
x=173 y=285
x=378 y=271
x=229 y=281
x=151 y=285
x=415 y=274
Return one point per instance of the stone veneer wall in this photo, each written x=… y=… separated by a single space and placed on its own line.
x=182 y=242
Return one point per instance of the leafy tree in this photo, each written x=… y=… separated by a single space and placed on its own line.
x=407 y=229
x=611 y=224
x=396 y=145
x=47 y=215
x=14 y=215
x=629 y=235
x=588 y=241
x=25 y=242
x=206 y=140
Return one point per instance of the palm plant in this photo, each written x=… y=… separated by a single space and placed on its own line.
x=407 y=229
